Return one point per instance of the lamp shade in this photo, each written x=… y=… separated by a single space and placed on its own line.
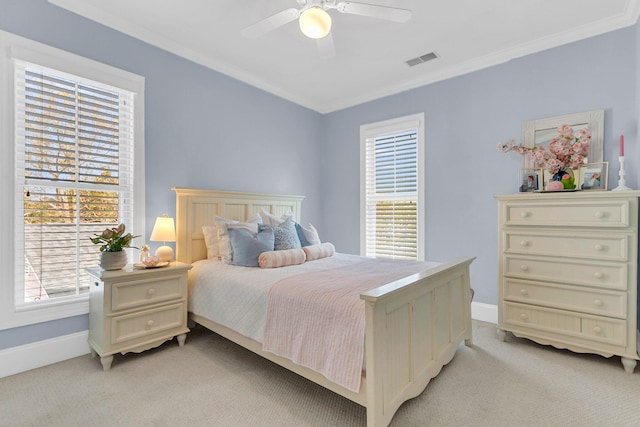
x=315 y=23
x=164 y=230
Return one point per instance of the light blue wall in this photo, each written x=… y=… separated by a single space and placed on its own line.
x=466 y=117
x=203 y=129
x=206 y=130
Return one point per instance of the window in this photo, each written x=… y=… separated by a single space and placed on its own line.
x=77 y=166
x=392 y=188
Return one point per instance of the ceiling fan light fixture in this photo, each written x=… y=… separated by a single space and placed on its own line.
x=315 y=22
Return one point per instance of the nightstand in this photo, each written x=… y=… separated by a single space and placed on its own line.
x=133 y=310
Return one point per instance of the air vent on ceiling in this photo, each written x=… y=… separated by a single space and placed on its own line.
x=421 y=59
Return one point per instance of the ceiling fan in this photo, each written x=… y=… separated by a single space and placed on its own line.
x=315 y=22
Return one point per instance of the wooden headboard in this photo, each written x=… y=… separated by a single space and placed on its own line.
x=197 y=207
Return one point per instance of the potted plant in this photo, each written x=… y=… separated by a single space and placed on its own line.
x=112 y=242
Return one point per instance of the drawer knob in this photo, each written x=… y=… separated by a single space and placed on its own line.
x=524 y=214
x=598 y=275
x=524 y=292
x=524 y=267
x=598 y=247
x=151 y=291
x=597 y=329
x=597 y=302
x=524 y=316
x=150 y=323
x=524 y=243
x=600 y=214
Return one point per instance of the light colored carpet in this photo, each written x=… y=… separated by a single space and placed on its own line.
x=213 y=382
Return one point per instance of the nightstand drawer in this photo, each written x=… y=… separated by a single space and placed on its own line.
x=574 y=213
x=601 y=275
x=148 y=322
x=602 y=247
x=573 y=298
x=146 y=291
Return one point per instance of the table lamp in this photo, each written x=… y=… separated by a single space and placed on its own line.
x=164 y=231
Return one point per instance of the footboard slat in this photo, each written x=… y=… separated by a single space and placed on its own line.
x=413 y=327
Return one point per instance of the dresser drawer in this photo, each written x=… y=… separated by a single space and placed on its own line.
x=577 y=213
x=600 y=329
x=157 y=321
x=572 y=298
x=575 y=272
x=606 y=247
x=146 y=291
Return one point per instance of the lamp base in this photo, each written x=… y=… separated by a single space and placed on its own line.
x=165 y=253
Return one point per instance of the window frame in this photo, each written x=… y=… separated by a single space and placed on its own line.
x=14 y=48
x=386 y=127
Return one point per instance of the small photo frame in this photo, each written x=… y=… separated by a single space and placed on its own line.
x=530 y=180
x=593 y=176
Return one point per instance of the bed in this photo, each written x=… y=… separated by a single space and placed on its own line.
x=413 y=325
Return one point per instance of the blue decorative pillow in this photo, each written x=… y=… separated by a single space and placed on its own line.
x=247 y=247
x=286 y=236
x=303 y=239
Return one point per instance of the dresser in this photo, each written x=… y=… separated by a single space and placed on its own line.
x=132 y=310
x=567 y=271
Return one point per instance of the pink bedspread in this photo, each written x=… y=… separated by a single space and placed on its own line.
x=317 y=319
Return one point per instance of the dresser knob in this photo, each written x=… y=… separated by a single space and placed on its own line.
x=524 y=292
x=598 y=275
x=524 y=267
x=598 y=247
x=600 y=214
x=524 y=214
x=149 y=323
x=597 y=329
x=597 y=302
x=524 y=316
x=151 y=291
x=524 y=243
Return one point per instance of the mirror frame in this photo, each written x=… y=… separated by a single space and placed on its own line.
x=593 y=119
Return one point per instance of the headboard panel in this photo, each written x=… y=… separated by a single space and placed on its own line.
x=197 y=207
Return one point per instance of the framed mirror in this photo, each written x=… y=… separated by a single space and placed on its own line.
x=540 y=132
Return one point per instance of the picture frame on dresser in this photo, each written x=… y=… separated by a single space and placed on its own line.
x=530 y=180
x=540 y=131
x=594 y=177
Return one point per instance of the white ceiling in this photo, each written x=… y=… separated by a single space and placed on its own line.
x=370 y=56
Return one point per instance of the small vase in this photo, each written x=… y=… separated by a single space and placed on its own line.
x=113 y=260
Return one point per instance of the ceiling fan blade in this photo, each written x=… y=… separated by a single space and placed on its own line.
x=373 y=11
x=326 y=48
x=260 y=28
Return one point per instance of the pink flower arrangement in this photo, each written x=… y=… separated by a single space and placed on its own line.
x=567 y=150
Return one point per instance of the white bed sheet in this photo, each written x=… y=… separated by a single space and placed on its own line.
x=236 y=297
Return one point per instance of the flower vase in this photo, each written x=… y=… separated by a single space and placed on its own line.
x=113 y=260
x=566 y=178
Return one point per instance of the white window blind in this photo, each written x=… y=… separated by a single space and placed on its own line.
x=392 y=187
x=74 y=167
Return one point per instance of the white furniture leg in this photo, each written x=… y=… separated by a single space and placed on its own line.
x=629 y=364
x=106 y=362
x=502 y=335
x=181 y=339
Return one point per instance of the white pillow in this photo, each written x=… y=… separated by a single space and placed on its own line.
x=225 y=252
x=311 y=234
x=270 y=219
x=211 y=241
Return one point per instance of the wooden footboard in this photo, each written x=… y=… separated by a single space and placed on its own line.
x=413 y=325
x=413 y=328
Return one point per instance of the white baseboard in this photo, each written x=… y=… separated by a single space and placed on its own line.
x=41 y=353
x=484 y=312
